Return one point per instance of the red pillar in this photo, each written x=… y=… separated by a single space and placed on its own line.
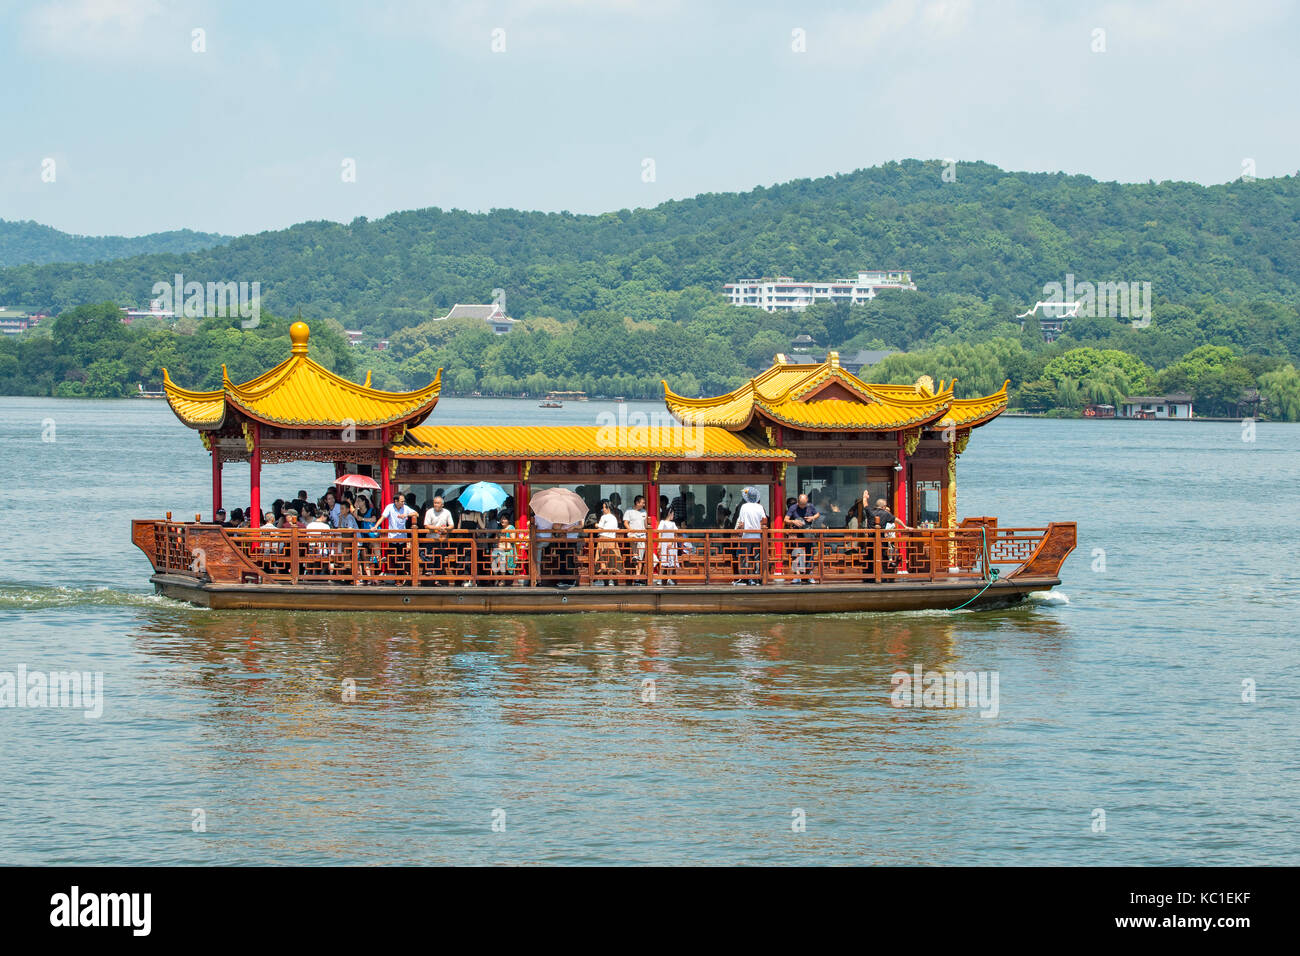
x=651 y=521
x=778 y=484
x=216 y=478
x=385 y=483
x=778 y=499
x=778 y=513
x=255 y=477
x=900 y=484
x=521 y=499
x=651 y=495
x=900 y=499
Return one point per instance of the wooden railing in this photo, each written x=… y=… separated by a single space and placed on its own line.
x=422 y=558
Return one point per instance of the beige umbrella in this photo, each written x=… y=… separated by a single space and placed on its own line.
x=559 y=506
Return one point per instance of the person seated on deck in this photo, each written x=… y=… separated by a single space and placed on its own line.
x=219 y=519
x=237 y=519
x=686 y=548
x=802 y=514
x=317 y=549
x=437 y=522
x=271 y=548
x=289 y=520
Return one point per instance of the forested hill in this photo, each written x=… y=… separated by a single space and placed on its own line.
x=25 y=243
x=989 y=233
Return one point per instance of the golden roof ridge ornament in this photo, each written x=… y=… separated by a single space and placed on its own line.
x=299 y=333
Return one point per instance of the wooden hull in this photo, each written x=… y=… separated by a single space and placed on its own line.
x=772 y=599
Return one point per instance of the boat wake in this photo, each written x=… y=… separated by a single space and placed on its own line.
x=1047 y=598
x=26 y=597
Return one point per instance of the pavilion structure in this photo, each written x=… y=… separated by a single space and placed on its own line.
x=899 y=441
x=795 y=427
x=300 y=411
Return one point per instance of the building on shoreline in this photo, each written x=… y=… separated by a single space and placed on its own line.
x=784 y=294
x=493 y=313
x=1157 y=406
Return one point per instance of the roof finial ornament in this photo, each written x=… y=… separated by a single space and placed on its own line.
x=298 y=335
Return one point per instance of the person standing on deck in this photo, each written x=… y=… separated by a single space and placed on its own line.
x=882 y=516
x=750 y=518
x=634 y=519
x=346 y=520
x=438 y=521
x=396 y=515
x=667 y=557
x=802 y=514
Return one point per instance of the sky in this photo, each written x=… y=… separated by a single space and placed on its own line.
x=126 y=117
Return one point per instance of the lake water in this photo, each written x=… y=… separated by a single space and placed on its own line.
x=1127 y=699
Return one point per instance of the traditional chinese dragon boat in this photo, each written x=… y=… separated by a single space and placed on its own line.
x=795 y=428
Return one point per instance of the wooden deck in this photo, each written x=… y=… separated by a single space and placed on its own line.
x=707 y=599
x=681 y=572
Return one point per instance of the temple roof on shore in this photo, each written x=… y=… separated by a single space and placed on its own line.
x=301 y=392
x=823 y=396
x=525 y=442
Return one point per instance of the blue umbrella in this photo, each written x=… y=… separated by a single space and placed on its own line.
x=482 y=496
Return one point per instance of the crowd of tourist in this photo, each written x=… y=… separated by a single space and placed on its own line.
x=619 y=536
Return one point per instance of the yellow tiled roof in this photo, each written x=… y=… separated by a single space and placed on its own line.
x=195 y=409
x=580 y=441
x=302 y=392
x=838 y=413
x=972 y=412
x=780 y=393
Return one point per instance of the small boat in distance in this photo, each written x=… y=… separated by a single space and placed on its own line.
x=557 y=399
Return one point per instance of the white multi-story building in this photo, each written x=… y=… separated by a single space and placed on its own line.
x=784 y=294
